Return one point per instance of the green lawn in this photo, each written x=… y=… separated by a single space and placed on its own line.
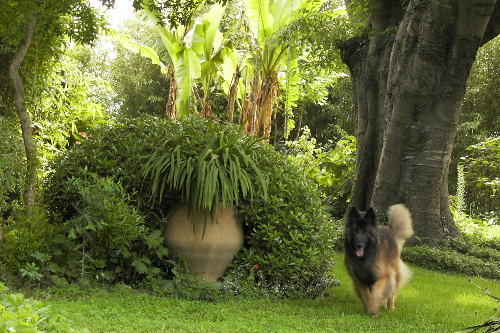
x=431 y=302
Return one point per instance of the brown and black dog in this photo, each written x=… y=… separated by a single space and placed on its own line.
x=373 y=255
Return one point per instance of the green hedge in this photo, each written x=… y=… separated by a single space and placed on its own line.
x=287 y=237
x=449 y=260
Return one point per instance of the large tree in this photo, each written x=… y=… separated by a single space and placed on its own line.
x=409 y=69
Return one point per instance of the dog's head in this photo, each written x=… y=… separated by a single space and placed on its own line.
x=361 y=231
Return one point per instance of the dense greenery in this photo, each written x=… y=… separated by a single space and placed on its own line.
x=476 y=149
x=206 y=165
x=11 y=166
x=288 y=237
x=330 y=166
x=101 y=223
x=287 y=229
x=56 y=22
x=481 y=176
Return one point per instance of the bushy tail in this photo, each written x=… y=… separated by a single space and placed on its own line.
x=405 y=275
x=400 y=221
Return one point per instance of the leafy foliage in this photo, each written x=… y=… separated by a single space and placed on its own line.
x=93 y=189
x=332 y=169
x=116 y=150
x=65 y=107
x=482 y=177
x=192 y=51
x=207 y=164
x=11 y=164
x=56 y=22
x=331 y=119
x=20 y=314
x=24 y=235
x=446 y=260
x=104 y=236
x=479 y=118
x=178 y=12
x=287 y=234
x=287 y=237
x=139 y=86
x=475 y=252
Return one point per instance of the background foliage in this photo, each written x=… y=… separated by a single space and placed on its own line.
x=11 y=166
x=477 y=143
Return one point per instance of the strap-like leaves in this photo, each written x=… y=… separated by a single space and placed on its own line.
x=207 y=168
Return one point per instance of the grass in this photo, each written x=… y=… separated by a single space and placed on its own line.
x=431 y=302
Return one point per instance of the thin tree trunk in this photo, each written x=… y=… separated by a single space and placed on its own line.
x=408 y=91
x=29 y=144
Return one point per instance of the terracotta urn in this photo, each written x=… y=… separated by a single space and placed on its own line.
x=208 y=255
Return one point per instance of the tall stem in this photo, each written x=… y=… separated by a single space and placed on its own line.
x=29 y=143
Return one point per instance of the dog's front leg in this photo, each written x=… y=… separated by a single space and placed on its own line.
x=364 y=294
x=382 y=289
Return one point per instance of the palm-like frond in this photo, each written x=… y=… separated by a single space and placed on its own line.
x=207 y=167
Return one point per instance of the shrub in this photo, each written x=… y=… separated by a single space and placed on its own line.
x=288 y=235
x=110 y=162
x=20 y=314
x=116 y=151
x=288 y=238
x=105 y=235
x=24 y=235
x=447 y=259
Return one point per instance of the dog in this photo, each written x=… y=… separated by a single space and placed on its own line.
x=373 y=255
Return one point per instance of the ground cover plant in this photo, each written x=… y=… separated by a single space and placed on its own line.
x=431 y=302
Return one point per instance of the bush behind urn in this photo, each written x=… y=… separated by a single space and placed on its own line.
x=287 y=231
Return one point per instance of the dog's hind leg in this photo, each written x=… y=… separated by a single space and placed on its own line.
x=390 y=301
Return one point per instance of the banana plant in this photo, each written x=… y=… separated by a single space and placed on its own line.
x=207 y=41
x=182 y=58
x=192 y=53
x=268 y=19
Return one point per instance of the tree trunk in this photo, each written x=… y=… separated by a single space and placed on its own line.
x=408 y=90
x=29 y=144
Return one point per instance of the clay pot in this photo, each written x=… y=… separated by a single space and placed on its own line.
x=209 y=255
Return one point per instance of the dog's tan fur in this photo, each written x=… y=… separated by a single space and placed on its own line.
x=373 y=256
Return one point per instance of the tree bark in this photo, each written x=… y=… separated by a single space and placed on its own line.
x=408 y=88
x=29 y=144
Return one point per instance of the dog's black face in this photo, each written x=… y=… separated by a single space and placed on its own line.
x=361 y=232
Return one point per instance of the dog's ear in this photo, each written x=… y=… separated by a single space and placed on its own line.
x=354 y=212
x=353 y=215
x=370 y=216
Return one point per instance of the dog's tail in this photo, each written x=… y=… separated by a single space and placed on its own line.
x=400 y=221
